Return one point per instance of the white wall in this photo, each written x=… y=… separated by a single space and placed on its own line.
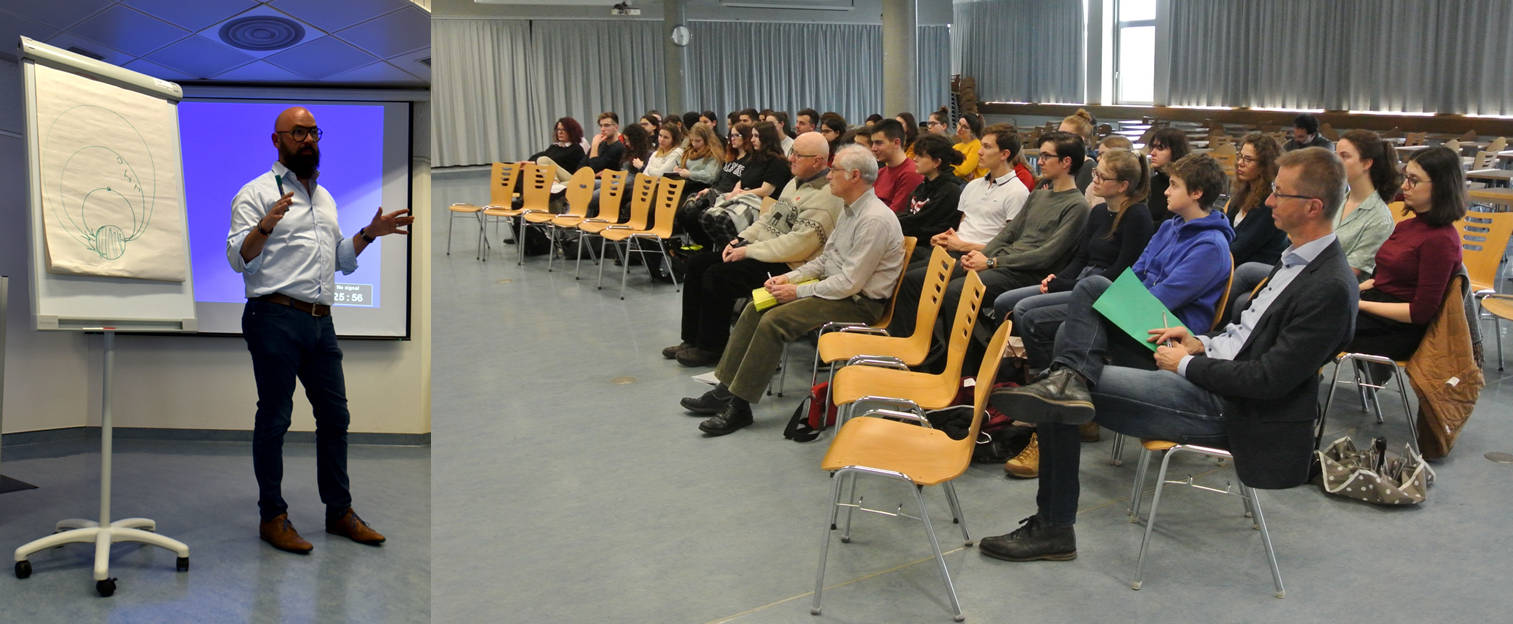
x=52 y=379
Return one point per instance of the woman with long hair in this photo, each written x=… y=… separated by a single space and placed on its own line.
x=1414 y=265
x=566 y=150
x=737 y=158
x=911 y=131
x=1080 y=123
x=933 y=205
x=768 y=171
x=1168 y=145
x=833 y=128
x=1257 y=238
x=637 y=149
x=1364 y=222
x=669 y=151
x=701 y=162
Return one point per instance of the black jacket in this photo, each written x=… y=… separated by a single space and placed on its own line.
x=1270 y=390
x=933 y=206
x=1257 y=238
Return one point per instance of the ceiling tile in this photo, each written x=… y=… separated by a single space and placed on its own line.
x=114 y=57
x=402 y=31
x=199 y=57
x=411 y=63
x=321 y=57
x=192 y=16
x=259 y=71
x=61 y=14
x=12 y=28
x=213 y=32
x=334 y=15
x=128 y=30
x=158 y=71
x=377 y=72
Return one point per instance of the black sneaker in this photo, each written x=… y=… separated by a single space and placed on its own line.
x=1034 y=540
x=733 y=417
x=1062 y=397
x=707 y=404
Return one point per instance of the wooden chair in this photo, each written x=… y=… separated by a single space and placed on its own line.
x=668 y=191
x=643 y=189
x=611 y=190
x=908 y=450
x=1484 y=240
x=535 y=196
x=501 y=193
x=1415 y=138
x=580 y=192
x=1328 y=131
x=1399 y=212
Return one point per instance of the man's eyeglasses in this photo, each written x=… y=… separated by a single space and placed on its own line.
x=1282 y=195
x=1044 y=156
x=797 y=156
x=300 y=133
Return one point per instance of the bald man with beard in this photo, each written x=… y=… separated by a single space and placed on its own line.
x=287 y=244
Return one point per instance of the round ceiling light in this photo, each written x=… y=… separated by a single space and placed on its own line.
x=262 y=32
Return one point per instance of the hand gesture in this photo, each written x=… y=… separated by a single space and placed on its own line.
x=783 y=292
x=939 y=240
x=276 y=213
x=1169 y=357
x=974 y=261
x=734 y=253
x=389 y=223
x=1045 y=284
x=775 y=281
x=1176 y=337
x=1368 y=284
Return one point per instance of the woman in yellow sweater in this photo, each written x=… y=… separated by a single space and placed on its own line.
x=968 y=128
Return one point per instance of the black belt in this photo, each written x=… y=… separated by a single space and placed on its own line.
x=315 y=309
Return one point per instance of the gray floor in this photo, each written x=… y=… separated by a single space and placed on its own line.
x=203 y=493
x=569 y=487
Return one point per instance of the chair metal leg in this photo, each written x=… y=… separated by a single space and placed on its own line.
x=1135 y=492
x=1271 y=554
x=450 y=221
x=603 y=242
x=854 y=501
x=667 y=262
x=782 y=369
x=625 y=266
x=819 y=577
x=578 y=263
x=1150 y=523
x=940 y=558
x=1398 y=373
x=1116 y=454
x=1497 y=331
x=520 y=237
x=956 y=515
x=551 y=245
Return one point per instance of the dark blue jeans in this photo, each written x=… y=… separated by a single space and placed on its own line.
x=287 y=344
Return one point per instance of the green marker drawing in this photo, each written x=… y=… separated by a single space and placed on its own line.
x=101 y=198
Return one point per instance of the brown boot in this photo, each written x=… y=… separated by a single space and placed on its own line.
x=1025 y=465
x=1089 y=432
x=281 y=534
x=351 y=526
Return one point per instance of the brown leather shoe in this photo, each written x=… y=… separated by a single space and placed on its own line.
x=281 y=534
x=1025 y=465
x=351 y=526
x=1089 y=432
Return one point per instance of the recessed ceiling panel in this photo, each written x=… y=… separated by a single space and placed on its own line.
x=157 y=71
x=379 y=72
x=60 y=13
x=199 y=57
x=402 y=31
x=128 y=30
x=334 y=15
x=193 y=15
x=91 y=49
x=322 y=57
x=418 y=63
x=12 y=28
x=259 y=71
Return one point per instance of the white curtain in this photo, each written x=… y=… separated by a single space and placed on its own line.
x=592 y=66
x=480 y=92
x=1023 y=50
x=934 y=45
x=1382 y=55
x=828 y=67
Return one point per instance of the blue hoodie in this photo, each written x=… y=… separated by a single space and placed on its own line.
x=1186 y=265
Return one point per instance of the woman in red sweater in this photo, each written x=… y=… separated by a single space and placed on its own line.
x=1415 y=264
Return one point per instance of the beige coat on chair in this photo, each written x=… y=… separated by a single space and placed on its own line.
x=1444 y=375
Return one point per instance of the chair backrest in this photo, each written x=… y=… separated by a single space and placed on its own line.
x=1497 y=145
x=1223 y=306
x=1415 y=138
x=1397 y=210
x=611 y=193
x=987 y=373
x=536 y=189
x=1484 y=238
x=1484 y=160
x=931 y=296
x=502 y=183
x=641 y=193
x=669 y=191
x=580 y=192
x=1453 y=145
x=966 y=319
x=887 y=317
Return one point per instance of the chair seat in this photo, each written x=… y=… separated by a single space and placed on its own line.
x=1157 y=445
x=539 y=217
x=923 y=454
x=568 y=220
x=925 y=389
x=500 y=211
x=467 y=208
x=1499 y=306
x=836 y=346
x=593 y=227
x=621 y=234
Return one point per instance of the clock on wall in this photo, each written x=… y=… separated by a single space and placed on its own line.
x=681 y=36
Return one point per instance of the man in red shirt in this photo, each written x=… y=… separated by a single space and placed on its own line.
x=896 y=177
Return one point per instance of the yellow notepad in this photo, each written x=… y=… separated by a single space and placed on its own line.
x=763 y=299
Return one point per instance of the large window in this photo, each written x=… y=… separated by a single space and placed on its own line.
x=1134 y=51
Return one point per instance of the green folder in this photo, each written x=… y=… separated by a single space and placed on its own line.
x=1131 y=307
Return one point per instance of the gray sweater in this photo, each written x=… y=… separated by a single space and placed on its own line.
x=1044 y=235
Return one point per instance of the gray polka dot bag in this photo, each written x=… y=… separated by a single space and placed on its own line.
x=1373 y=475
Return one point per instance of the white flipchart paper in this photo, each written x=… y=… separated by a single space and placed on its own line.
x=111 y=193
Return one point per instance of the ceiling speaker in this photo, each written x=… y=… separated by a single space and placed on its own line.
x=262 y=32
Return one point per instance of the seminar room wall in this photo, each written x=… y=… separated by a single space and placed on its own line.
x=52 y=379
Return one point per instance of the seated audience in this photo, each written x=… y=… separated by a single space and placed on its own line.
x=932 y=207
x=1305 y=133
x=911 y=131
x=608 y=149
x=690 y=119
x=808 y=120
x=939 y=123
x=1080 y=123
x=1109 y=143
x=833 y=128
x=650 y=123
x=1040 y=239
x=990 y=202
x=638 y=148
x=1251 y=387
x=668 y=153
x=566 y=150
x=1257 y=238
x=780 y=120
x=968 y=128
x=896 y=177
x=791 y=233
x=734 y=167
x=765 y=176
x=857 y=270
x=701 y=161
x=1364 y=221
x=749 y=116
x=1168 y=145
x=1414 y=265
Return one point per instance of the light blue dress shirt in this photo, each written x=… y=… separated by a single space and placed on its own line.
x=301 y=257
x=1226 y=345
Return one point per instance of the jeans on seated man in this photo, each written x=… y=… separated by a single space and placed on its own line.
x=786 y=236
x=857 y=270
x=1251 y=386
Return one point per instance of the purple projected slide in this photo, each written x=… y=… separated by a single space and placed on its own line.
x=226 y=144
